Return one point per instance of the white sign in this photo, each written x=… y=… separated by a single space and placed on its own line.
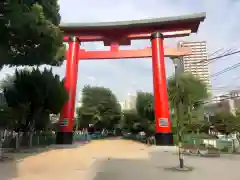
x=163 y=122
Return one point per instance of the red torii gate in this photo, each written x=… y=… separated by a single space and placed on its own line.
x=114 y=34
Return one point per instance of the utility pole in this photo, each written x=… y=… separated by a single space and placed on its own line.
x=176 y=62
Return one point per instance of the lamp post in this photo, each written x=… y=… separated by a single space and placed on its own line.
x=178 y=110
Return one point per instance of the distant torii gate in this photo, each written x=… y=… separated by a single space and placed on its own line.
x=114 y=34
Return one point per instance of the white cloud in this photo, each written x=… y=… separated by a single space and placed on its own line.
x=91 y=78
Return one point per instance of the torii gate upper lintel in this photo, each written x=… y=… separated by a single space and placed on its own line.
x=114 y=34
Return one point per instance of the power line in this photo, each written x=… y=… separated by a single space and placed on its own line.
x=225 y=55
x=229 y=84
x=229 y=88
x=224 y=52
x=226 y=70
x=210 y=60
x=226 y=90
x=215 y=52
x=222 y=98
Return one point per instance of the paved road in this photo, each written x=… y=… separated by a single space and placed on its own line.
x=158 y=165
x=116 y=160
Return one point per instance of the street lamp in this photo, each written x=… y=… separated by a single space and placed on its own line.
x=177 y=63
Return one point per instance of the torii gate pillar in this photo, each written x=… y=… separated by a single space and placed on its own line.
x=163 y=134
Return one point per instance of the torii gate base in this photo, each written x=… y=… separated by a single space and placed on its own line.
x=115 y=34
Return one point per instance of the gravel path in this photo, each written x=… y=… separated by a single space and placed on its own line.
x=68 y=164
x=116 y=160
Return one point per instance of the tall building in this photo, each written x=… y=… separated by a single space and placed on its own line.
x=130 y=102
x=197 y=61
x=79 y=101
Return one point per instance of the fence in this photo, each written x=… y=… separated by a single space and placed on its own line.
x=197 y=140
x=192 y=140
x=80 y=136
x=13 y=140
x=135 y=137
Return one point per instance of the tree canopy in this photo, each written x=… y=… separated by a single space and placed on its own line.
x=186 y=93
x=190 y=90
x=145 y=113
x=100 y=105
x=29 y=33
x=225 y=122
x=35 y=94
x=144 y=105
x=187 y=90
x=132 y=122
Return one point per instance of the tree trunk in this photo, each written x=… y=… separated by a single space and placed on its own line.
x=1 y=143
x=32 y=121
x=180 y=129
x=189 y=115
x=233 y=145
x=3 y=134
x=238 y=140
x=38 y=140
x=31 y=133
x=181 y=158
x=30 y=139
x=154 y=140
x=17 y=141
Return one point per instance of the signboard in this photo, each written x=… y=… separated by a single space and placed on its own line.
x=163 y=122
x=64 y=122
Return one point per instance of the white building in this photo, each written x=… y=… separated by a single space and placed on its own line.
x=79 y=100
x=130 y=102
x=229 y=102
x=197 y=61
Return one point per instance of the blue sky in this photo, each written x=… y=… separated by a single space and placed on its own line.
x=220 y=29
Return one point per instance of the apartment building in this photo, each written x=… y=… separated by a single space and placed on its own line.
x=130 y=102
x=197 y=61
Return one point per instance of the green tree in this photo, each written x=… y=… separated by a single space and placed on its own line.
x=85 y=116
x=34 y=94
x=131 y=121
x=225 y=123
x=102 y=104
x=8 y=116
x=7 y=119
x=145 y=109
x=29 y=33
x=187 y=90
